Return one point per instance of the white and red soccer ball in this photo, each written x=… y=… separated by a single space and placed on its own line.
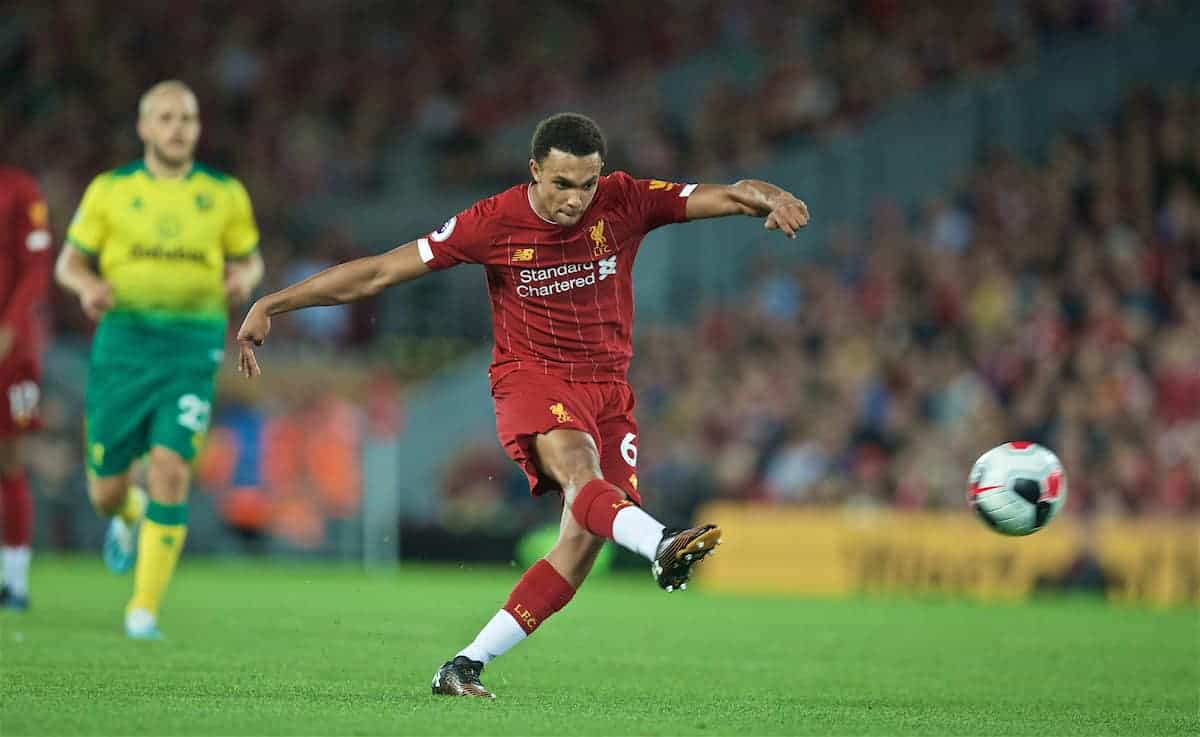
x=1017 y=488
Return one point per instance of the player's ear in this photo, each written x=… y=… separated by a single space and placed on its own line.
x=535 y=171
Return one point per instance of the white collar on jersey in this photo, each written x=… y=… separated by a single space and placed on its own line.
x=529 y=198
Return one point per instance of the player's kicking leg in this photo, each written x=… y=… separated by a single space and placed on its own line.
x=595 y=511
x=603 y=509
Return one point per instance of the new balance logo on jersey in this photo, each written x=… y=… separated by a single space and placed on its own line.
x=608 y=267
x=522 y=254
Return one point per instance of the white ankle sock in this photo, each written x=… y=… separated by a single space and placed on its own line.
x=140 y=619
x=16 y=569
x=637 y=531
x=497 y=637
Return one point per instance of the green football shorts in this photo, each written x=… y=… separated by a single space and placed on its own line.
x=131 y=409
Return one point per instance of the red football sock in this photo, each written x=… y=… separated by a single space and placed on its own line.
x=540 y=593
x=597 y=505
x=17 y=508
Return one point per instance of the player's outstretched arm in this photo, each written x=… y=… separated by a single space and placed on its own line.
x=348 y=282
x=782 y=210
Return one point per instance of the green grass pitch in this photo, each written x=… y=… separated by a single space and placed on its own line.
x=273 y=649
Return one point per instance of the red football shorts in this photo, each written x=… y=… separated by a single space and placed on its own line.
x=530 y=404
x=19 y=396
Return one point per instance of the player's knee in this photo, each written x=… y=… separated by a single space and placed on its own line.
x=108 y=493
x=570 y=457
x=577 y=464
x=168 y=476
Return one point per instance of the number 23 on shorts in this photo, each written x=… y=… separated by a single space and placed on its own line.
x=194 y=413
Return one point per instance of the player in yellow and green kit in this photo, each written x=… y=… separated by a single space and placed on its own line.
x=157 y=252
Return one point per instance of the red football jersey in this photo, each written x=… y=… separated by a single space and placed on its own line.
x=562 y=297
x=25 y=256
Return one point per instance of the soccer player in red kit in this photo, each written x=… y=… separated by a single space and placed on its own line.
x=25 y=250
x=558 y=253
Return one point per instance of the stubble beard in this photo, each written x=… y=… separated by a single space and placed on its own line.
x=170 y=162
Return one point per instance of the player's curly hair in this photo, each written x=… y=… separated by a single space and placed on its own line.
x=571 y=133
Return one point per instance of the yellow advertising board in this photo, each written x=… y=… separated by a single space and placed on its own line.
x=845 y=551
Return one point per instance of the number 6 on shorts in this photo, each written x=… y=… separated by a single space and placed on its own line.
x=629 y=450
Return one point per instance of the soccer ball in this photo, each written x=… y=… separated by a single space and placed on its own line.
x=1017 y=488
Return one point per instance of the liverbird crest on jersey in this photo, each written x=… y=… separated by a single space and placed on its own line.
x=599 y=242
x=560 y=412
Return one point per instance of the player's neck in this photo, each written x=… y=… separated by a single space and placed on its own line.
x=160 y=169
x=537 y=210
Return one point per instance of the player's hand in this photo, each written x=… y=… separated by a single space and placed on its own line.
x=789 y=217
x=253 y=332
x=96 y=298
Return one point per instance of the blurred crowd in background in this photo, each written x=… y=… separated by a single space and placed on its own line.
x=304 y=99
x=1056 y=301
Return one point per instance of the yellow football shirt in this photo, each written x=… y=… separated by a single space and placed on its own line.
x=162 y=243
